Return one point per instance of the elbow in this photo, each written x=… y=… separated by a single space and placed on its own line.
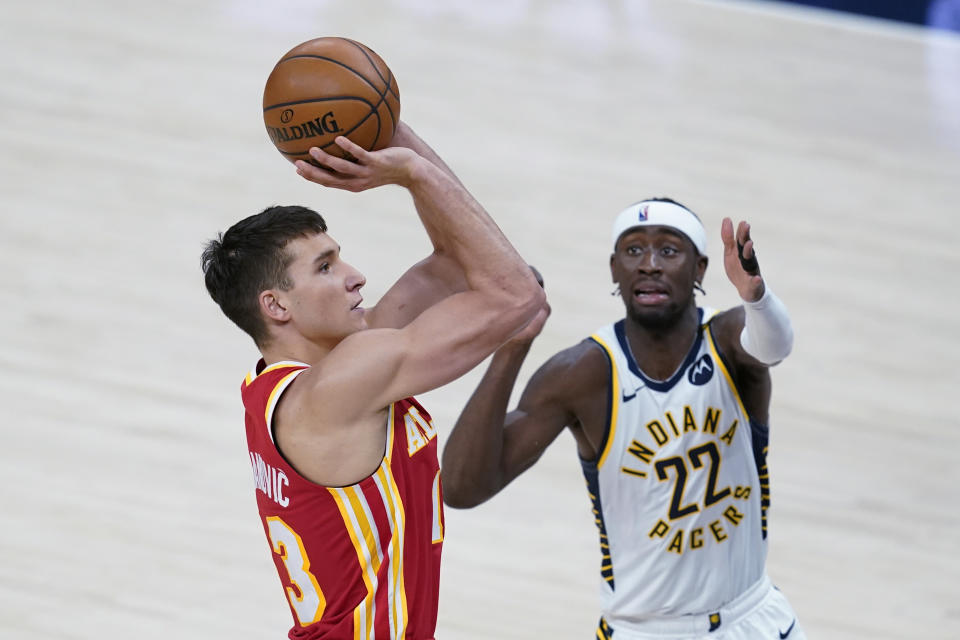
x=526 y=302
x=459 y=502
x=464 y=490
x=510 y=307
x=456 y=498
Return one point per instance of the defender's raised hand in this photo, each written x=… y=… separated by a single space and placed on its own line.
x=740 y=260
x=393 y=165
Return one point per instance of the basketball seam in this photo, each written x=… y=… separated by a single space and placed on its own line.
x=337 y=62
x=347 y=133
x=363 y=49
x=387 y=81
x=333 y=142
x=373 y=108
x=309 y=100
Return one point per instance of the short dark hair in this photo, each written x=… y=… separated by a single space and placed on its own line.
x=251 y=257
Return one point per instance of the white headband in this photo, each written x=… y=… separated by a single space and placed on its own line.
x=667 y=214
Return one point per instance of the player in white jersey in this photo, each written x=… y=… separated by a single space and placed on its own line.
x=670 y=411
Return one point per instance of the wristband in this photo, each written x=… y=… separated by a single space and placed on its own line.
x=767 y=332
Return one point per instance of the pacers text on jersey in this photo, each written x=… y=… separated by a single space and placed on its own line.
x=704 y=457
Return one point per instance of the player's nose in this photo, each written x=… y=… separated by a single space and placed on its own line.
x=648 y=262
x=355 y=280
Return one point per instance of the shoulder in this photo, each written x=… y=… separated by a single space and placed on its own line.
x=726 y=326
x=586 y=354
x=263 y=381
x=578 y=369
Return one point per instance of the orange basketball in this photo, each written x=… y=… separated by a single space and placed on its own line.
x=330 y=87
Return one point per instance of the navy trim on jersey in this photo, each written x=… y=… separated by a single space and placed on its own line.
x=760 y=437
x=659 y=385
x=592 y=475
x=610 y=399
x=726 y=362
x=604 y=630
x=759 y=440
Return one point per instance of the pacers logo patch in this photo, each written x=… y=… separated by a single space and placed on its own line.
x=714 y=622
x=701 y=371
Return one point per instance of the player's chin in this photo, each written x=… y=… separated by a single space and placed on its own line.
x=359 y=317
x=653 y=316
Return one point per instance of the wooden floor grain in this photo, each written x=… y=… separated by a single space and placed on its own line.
x=131 y=132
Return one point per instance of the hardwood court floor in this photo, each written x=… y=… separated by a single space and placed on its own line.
x=131 y=133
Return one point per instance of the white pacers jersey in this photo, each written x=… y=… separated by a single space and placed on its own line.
x=680 y=488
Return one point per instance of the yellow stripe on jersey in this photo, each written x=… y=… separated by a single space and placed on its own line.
x=603 y=630
x=614 y=400
x=437 y=506
x=253 y=375
x=390 y=431
x=275 y=396
x=397 y=593
x=363 y=534
x=723 y=368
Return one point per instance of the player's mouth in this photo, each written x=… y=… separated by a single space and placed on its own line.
x=356 y=306
x=651 y=294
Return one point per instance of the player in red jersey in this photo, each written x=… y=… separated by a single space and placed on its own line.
x=344 y=459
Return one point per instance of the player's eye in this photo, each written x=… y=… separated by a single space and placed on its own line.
x=324 y=267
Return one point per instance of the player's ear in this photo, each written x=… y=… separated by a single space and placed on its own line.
x=701 y=267
x=613 y=277
x=272 y=306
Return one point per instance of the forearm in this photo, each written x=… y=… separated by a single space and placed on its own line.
x=767 y=331
x=461 y=229
x=406 y=137
x=473 y=456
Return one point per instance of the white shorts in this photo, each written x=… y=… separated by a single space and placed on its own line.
x=760 y=612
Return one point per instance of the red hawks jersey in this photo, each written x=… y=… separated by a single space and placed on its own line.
x=355 y=562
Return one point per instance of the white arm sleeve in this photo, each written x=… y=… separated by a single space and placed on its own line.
x=767 y=333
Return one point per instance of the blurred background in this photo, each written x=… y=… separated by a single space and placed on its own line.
x=131 y=133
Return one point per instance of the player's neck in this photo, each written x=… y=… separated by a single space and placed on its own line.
x=660 y=349
x=296 y=349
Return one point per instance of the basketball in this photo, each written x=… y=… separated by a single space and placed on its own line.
x=329 y=87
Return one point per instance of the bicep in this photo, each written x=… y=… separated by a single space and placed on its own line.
x=371 y=369
x=751 y=377
x=726 y=328
x=526 y=436
x=543 y=412
x=452 y=337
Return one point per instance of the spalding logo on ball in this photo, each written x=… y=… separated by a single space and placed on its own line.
x=329 y=87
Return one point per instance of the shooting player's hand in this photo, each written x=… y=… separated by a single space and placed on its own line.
x=369 y=169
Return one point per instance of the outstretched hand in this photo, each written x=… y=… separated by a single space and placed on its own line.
x=740 y=260
x=393 y=165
